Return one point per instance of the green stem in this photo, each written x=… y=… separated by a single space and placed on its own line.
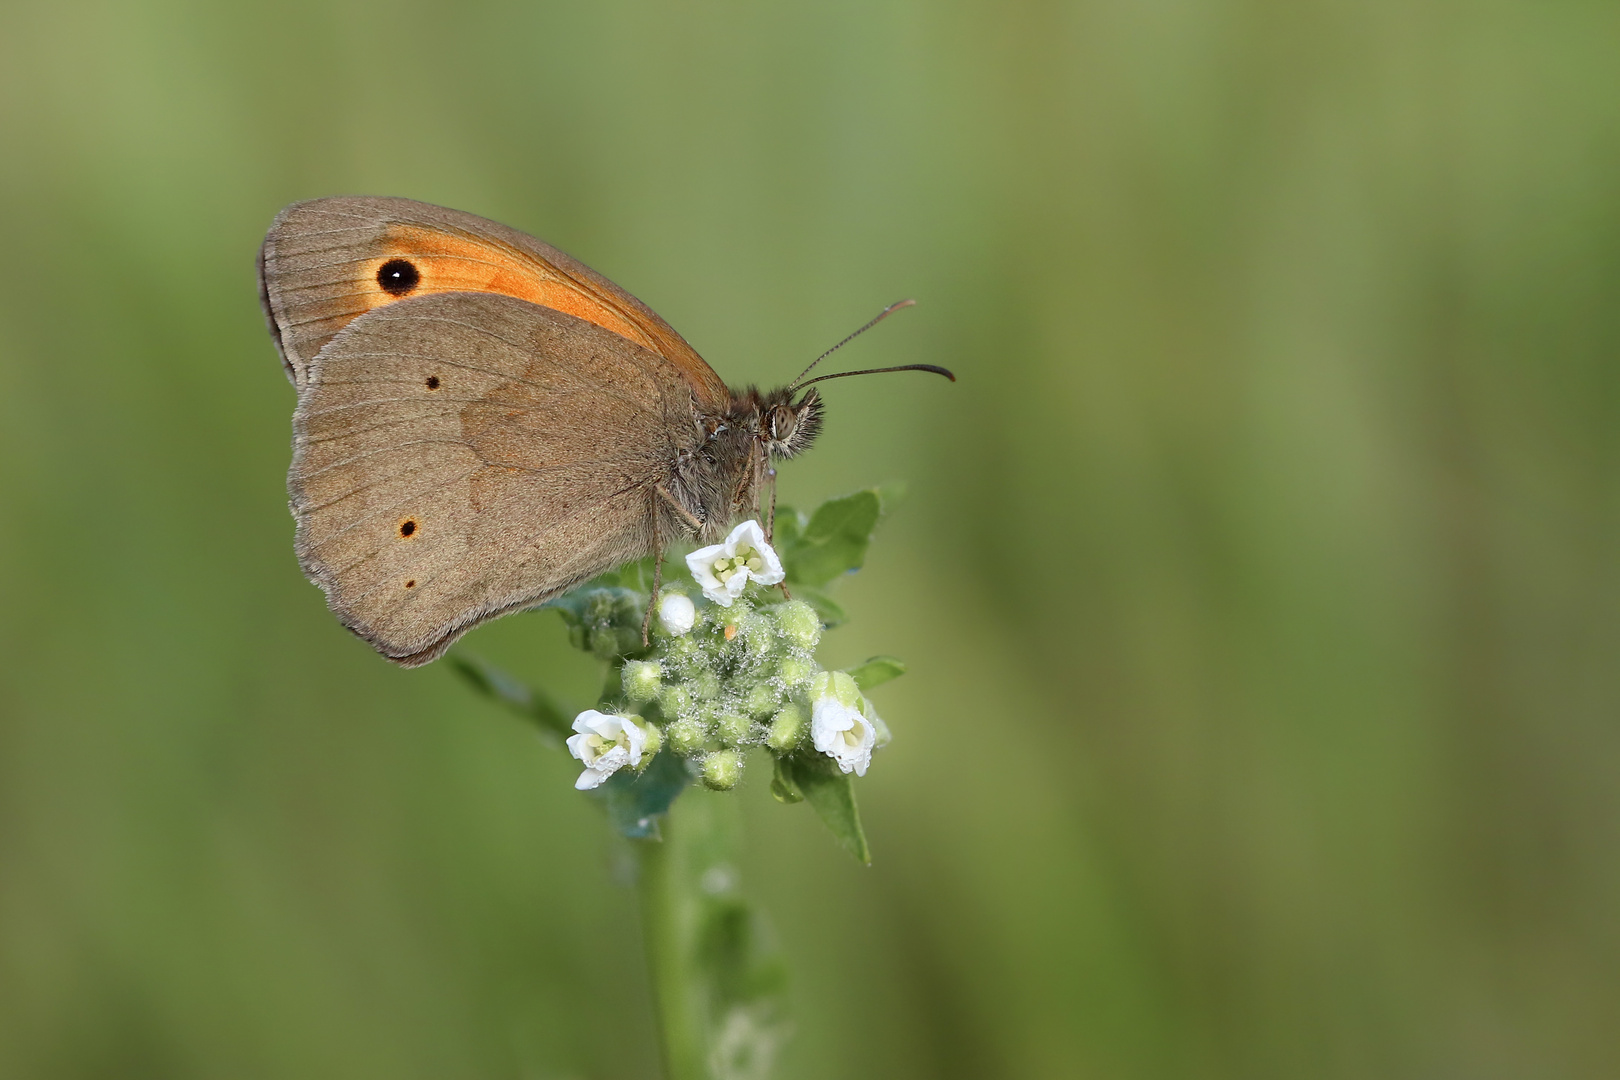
x=668 y=925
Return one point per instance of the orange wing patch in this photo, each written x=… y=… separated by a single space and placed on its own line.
x=443 y=262
x=328 y=261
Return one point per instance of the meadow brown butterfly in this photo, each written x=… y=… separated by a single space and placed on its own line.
x=484 y=423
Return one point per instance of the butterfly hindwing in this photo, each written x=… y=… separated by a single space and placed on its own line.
x=460 y=455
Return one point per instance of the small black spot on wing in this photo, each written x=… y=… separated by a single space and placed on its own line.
x=407 y=528
x=432 y=382
x=398 y=276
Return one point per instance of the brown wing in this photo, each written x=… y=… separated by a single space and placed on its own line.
x=320 y=265
x=461 y=455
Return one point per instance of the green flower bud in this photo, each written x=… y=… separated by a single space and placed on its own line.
x=642 y=680
x=787 y=728
x=755 y=637
x=722 y=769
x=734 y=729
x=704 y=684
x=600 y=605
x=799 y=624
x=762 y=699
x=676 y=699
x=838 y=685
x=795 y=670
x=686 y=737
x=683 y=650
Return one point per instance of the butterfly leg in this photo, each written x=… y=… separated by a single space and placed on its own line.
x=770 y=518
x=697 y=526
x=658 y=579
x=770 y=525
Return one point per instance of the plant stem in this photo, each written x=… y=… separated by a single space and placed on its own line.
x=668 y=925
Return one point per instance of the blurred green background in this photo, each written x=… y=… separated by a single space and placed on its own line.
x=1259 y=577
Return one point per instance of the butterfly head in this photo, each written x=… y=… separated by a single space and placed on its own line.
x=788 y=427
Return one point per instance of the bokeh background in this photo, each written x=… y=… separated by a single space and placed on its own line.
x=1259 y=577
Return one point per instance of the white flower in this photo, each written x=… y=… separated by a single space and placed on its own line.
x=838 y=725
x=677 y=613
x=605 y=744
x=724 y=570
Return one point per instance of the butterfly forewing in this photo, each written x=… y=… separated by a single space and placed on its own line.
x=460 y=455
x=328 y=261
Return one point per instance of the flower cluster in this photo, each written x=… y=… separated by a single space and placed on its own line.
x=731 y=670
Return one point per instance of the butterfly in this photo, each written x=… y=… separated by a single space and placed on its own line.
x=484 y=423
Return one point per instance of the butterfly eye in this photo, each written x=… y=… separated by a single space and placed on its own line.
x=782 y=422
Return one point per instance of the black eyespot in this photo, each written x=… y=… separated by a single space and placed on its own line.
x=432 y=382
x=398 y=276
x=407 y=527
x=411 y=584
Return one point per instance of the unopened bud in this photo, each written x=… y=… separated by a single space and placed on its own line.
x=683 y=651
x=686 y=737
x=722 y=769
x=734 y=729
x=762 y=699
x=794 y=670
x=787 y=728
x=675 y=699
x=676 y=613
x=705 y=684
x=642 y=680
x=798 y=622
x=754 y=634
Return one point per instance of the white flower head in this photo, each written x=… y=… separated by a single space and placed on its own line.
x=724 y=570
x=838 y=724
x=605 y=744
x=676 y=613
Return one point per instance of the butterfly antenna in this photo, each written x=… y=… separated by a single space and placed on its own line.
x=880 y=370
x=884 y=314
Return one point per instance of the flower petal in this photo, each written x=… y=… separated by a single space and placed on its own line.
x=590 y=721
x=591 y=778
x=701 y=564
x=750 y=534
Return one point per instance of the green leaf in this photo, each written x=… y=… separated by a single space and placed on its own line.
x=876 y=672
x=832 y=795
x=525 y=700
x=635 y=803
x=786 y=528
x=834 y=541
